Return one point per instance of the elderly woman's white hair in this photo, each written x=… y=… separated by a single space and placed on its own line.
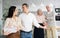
x=39 y=10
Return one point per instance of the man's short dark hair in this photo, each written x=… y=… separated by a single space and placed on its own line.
x=25 y=4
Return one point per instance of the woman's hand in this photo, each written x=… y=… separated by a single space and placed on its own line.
x=45 y=23
x=6 y=33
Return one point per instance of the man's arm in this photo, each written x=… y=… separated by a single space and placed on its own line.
x=45 y=23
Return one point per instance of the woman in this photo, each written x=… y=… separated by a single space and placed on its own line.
x=12 y=24
x=39 y=32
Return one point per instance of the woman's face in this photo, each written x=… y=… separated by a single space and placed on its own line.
x=15 y=12
x=40 y=12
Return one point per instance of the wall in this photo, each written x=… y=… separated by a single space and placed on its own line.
x=34 y=4
x=0 y=15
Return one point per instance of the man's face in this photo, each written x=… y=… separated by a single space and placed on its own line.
x=24 y=8
x=48 y=8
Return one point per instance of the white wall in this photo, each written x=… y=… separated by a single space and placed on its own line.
x=0 y=15
x=18 y=3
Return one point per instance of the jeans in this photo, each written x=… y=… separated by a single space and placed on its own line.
x=26 y=34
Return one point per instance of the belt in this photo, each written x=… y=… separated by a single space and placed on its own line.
x=26 y=32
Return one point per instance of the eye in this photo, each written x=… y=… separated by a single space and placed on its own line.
x=22 y=7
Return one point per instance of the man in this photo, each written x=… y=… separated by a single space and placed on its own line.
x=28 y=19
x=50 y=21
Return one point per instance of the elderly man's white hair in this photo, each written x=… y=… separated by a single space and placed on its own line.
x=51 y=6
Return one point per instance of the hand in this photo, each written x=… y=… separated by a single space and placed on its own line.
x=45 y=27
x=6 y=33
x=45 y=24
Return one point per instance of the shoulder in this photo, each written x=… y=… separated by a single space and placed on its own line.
x=32 y=14
x=8 y=19
x=18 y=18
x=21 y=15
x=43 y=16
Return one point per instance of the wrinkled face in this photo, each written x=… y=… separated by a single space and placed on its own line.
x=39 y=12
x=48 y=8
x=24 y=8
x=15 y=12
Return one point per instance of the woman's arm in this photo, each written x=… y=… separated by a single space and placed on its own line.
x=20 y=24
x=6 y=26
x=35 y=22
x=45 y=24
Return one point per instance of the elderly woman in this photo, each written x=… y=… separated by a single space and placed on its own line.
x=39 y=32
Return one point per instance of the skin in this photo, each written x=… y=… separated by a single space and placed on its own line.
x=25 y=9
x=39 y=12
x=48 y=8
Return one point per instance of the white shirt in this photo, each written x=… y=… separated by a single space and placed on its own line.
x=12 y=26
x=40 y=19
x=27 y=20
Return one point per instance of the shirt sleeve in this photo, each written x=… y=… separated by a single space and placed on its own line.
x=44 y=18
x=20 y=24
x=35 y=22
x=6 y=25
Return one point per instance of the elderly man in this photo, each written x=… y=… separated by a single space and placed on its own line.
x=50 y=20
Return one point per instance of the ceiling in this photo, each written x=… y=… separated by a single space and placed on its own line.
x=33 y=3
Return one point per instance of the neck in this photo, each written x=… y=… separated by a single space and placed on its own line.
x=14 y=17
x=49 y=10
x=39 y=15
x=27 y=12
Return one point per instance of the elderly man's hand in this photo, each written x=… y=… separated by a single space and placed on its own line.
x=45 y=27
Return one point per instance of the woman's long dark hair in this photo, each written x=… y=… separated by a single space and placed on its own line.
x=11 y=11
